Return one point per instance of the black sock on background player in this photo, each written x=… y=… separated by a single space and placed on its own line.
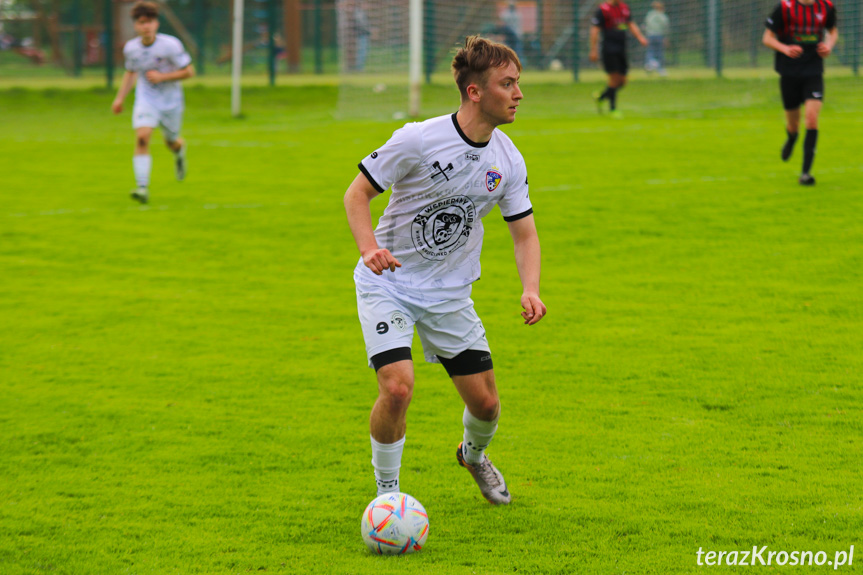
x=789 y=145
x=809 y=149
x=612 y=97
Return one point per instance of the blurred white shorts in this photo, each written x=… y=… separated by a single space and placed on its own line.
x=146 y=116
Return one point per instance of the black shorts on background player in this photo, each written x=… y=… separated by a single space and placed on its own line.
x=796 y=90
x=615 y=63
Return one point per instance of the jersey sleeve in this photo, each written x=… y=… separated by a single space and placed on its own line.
x=598 y=19
x=127 y=56
x=395 y=159
x=515 y=203
x=774 y=21
x=179 y=55
x=830 y=21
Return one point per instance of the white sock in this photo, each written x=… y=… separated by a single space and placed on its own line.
x=387 y=459
x=142 y=165
x=477 y=435
x=181 y=153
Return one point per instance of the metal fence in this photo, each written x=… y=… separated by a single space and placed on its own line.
x=77 y=37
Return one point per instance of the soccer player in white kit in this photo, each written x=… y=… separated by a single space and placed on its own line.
x=161 y=62
x=417 y=267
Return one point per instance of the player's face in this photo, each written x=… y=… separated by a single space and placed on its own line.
x=501 y=94
x=146 y=28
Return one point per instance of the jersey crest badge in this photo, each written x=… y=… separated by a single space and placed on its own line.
x=492 y=179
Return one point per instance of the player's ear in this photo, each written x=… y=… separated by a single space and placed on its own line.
x=474 y=93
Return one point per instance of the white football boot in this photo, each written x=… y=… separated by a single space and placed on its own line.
x=489 y=479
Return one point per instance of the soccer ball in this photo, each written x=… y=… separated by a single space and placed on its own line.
x=395 y=524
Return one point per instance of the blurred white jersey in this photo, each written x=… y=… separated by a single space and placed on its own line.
x=443 y=184
x=165 y=54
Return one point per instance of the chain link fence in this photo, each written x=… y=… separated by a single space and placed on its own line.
x=85 y=37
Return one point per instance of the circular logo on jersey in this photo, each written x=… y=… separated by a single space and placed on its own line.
x=398 y=320
x=442 y=227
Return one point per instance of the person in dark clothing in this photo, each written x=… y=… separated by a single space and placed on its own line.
x=612 y=19
x=803 y=33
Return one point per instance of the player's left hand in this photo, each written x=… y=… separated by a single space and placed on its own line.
x=823 y=49
x=643 y=41
x=534 y=309
x=154 y=76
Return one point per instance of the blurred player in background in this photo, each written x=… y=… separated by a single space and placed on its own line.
x=656 y=26
x=162 y=62
x=803 y=33
x=416 y=269
x=612 y=19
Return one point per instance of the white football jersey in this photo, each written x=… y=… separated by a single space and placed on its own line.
x=165 y=54
x=443 y=184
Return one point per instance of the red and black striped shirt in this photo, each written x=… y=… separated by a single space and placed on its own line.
x=613 y=20
x=803 y=25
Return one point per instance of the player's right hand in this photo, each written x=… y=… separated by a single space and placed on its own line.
x=379 y=260
x=117 y=106
x=594 y=56
x=793 y=51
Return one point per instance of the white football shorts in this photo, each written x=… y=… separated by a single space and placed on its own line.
x=146 y=116
x=446 y=328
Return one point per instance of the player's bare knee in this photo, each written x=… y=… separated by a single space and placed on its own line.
x=396 y=391
x=143 y=142
x=488 y=409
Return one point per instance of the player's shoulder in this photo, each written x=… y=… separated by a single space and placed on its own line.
x=828 y=4
x=168 y=40
x=507 y=147
x=430 y=128
x=133 y=44
x=435 y=123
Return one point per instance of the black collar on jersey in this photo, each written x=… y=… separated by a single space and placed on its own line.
x=465 y=138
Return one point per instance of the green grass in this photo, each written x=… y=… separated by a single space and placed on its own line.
x=183 y=386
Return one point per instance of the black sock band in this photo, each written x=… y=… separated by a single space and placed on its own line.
x=809 y=149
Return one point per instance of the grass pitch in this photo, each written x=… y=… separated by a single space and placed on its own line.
x=183 y=388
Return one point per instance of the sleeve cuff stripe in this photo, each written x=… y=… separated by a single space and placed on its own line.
x=518 y=216
x=370 y=178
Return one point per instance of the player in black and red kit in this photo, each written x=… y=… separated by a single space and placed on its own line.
x=803 y=33
x=612 y=19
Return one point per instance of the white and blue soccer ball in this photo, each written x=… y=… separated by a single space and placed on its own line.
x=395 y=524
